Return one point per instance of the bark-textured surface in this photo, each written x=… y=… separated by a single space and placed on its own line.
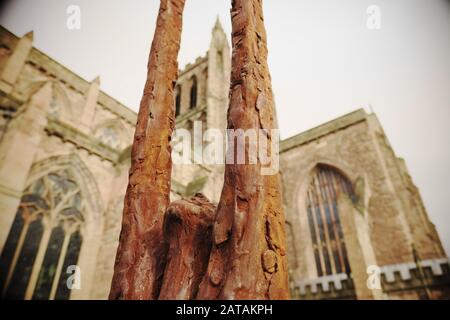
x=248 y=255
x=140 y=257
x=187 y=230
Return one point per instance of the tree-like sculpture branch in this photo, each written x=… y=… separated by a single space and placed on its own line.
x=190 y=250
x=140 y=259
x=248 y=259
x=187 y=231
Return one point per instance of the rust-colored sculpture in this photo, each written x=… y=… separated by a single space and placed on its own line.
x=248 y=255
x=187 y=230
x=140 y=257
x=190 y=250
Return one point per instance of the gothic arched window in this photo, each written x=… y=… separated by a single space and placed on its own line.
x=330 y=253
x=194 y=92
x=177 y=101
x=44 y=240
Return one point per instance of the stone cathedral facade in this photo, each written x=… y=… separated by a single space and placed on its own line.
x=356 y=225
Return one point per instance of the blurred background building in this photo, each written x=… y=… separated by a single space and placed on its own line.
x=353 y=214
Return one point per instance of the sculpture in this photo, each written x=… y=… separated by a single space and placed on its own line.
x=246 y=232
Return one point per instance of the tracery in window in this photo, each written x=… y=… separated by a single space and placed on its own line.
x=44 y=240
x=59 y=104
x=53 y=109
x=330 y=253
x=109 y=136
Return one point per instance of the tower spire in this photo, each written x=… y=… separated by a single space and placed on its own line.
x=218 y=24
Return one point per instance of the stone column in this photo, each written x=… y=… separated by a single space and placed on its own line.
x=15 y=63
x=109 y=242
x=17 y=150
x=217 y=90
x=218 y=82
x=359 y=248
x=387 y=204
x=90 y=105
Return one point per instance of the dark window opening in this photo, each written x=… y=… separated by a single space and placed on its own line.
x=330 y=253
x=193 y=102
x=55 y=198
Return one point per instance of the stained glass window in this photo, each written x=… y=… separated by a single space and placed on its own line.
x=48 y=269
x=23 y=266
x=71 y=258
x=44 y=240
x=330 y=253
x=9 y=248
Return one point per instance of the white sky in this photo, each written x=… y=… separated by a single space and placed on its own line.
x=324 y=62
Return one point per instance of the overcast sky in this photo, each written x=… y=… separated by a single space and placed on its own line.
x=324 y=61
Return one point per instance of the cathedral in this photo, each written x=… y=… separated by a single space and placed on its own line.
x=355 y=223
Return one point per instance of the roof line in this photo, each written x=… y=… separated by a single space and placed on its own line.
x=323 y=129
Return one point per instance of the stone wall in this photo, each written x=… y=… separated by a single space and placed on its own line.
x=388 y=214
x=55 y=119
